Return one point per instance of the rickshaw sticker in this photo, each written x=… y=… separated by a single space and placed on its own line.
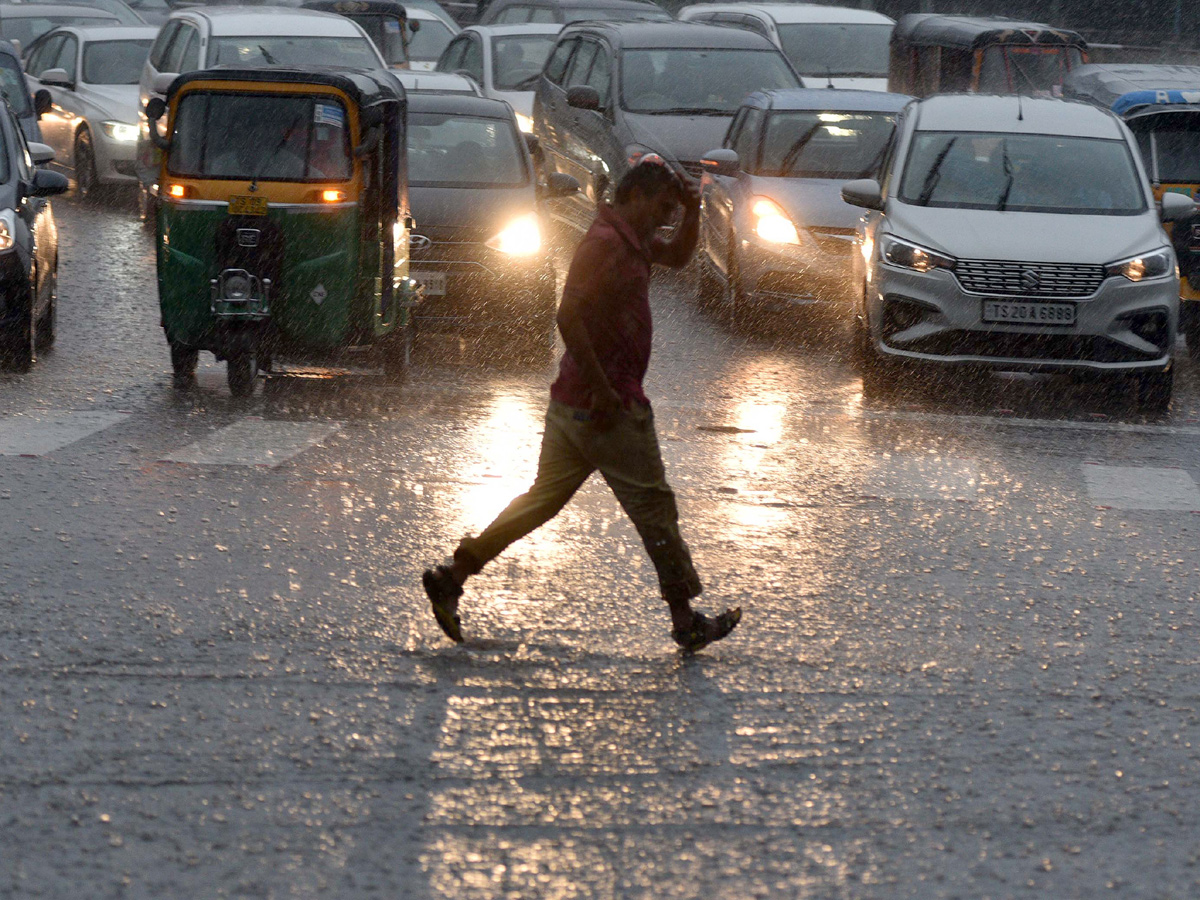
x=318 y=294
x=328 y=114
x=391 y=26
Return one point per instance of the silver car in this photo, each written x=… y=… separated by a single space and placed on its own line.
x=1016 y=234
x=92 y=76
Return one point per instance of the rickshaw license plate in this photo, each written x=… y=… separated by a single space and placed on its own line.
x=247 y=206
x=433 y=282
x=1028 y=313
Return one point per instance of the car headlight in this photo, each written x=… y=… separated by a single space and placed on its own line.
x=771 y=223
x=524 y=123
x=119 y=131
x=520 y=237
x=8 y=229
x=1154 y=264
x=906 y=255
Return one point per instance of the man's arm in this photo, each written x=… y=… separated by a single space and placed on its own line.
x=677 y=251
x=584 y=283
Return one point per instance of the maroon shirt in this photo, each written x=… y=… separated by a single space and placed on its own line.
x=610 y=276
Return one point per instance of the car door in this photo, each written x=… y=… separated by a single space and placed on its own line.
x=601 y=156
x=551 y=115
x=728 y=197
x=54 y=124
x=58 y=125
x=35 y=213
x=577 y=158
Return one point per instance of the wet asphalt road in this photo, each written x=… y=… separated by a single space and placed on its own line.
x=965 y=670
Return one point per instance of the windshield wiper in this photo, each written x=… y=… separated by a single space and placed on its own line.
x=801 y=142
x=935 y=173
x=684 y=111
x=1008 y=175
x=271 y=61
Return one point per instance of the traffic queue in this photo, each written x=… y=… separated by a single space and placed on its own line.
x=1000 y=206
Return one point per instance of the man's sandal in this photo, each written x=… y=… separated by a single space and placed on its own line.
x=443 y=592
x=704 y=630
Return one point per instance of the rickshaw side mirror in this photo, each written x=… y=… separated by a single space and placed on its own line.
x=414 y=25
x=42 y=102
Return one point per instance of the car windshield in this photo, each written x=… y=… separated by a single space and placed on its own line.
x=837 y=50
x=114 y=62
x=260 y=136
x=519 y=57
x=827 y=144
x=1172 y=156
x=1022 y=173
x=27 y=29
x=349 y=52
x=1033 y=71
x=428 y=43
x=463 y=151
x=12 y=85
x=387 y=33
x=698 y=82
x=619 y=14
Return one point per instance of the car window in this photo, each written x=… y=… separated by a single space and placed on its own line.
x=45 y=54
x=518 y=58
x=113 y=62
x=556 y=67
x=349 y=52
x=174 y=56
x=543 y=15
x=464 y=151
x=514 y=15
x=673 y=81
x=159 y=50
x=600 y=76
x=581 y=63
x=750 y=23
x=21 y=158
x=189 y=60
x=451 y=58
x=13 y=86
x=472 y=61
x=66 y=59
x=1022 y=173
x=746 y=141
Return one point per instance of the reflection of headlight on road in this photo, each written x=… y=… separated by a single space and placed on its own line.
x=525 y=123
x=772 y=224
x=520 y=237
x=8 y=227
x=119 y=131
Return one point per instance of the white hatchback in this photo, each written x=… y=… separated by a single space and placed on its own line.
x=1015 y=233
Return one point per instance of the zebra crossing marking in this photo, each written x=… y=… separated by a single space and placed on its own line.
x=254 y=441
x=39 y=432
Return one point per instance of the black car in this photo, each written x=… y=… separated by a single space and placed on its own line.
x=478 y=245
x=563 y=12
x=28 y=246
x=613 y=91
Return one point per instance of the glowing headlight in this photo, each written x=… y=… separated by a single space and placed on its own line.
x=525 y=123
x=900 y=253
x=1155 y=264
x=119 y=131
x=772 y=224
x=520 y=237
x=8 y=226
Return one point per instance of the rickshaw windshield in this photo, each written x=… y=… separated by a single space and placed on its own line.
x=1033 y=71
x=1172 y=154
x=268 y=137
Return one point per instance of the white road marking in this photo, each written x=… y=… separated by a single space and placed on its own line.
x=40 y=432
x=921 y=477
x=255 y=442
x=1137 y=487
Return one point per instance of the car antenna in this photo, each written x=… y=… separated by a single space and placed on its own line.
x=1020 y=110
x=828 y=77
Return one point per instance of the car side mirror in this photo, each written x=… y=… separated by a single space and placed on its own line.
x=46 y=183
x=57 y=78
x=40 y=153
x=560 y=184
x=723 y=162
x=864 y=193
x=42 y=102
x=583 y=96
x=163 y=81
x=532 y=143
x=1174 y=207
x=414 y=26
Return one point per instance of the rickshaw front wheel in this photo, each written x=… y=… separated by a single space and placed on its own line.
x=183 y=364
x=240 y=371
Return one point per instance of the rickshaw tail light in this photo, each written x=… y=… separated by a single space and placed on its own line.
x=333 y=196
x=178 y=191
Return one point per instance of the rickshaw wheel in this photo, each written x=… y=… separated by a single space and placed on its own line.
x=240 y=370
x=183 y=364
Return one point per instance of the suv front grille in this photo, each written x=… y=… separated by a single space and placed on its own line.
x=1028 y=279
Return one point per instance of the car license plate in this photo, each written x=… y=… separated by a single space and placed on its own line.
x=434 y=283
x=247 y=206
x=1022 y=312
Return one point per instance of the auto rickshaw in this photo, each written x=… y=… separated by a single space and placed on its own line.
x=283 y=219
x=936 y=54
x=1161 y=106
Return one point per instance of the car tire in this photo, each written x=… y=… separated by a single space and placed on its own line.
x=87 y=181
x=20 y=347
x=707 y=287
x=241 y=368
x=880 y=375
x=1154 y=391
x=47 y=323
x=732 y=302
x=183 y=365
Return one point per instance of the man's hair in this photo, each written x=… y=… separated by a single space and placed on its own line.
x=648 y=178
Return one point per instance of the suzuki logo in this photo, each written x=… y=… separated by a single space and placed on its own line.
x=1030 y=280
x=419 y=242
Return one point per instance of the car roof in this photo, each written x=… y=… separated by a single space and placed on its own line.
x=1015 y=115
x=585 y=4
x=974 y=31
x=39 y=10
x=1125 y=87
x=828 y=98
x=459 y=105
x=504 y=30
x=788 y=13
x=428 y=82
x=106 y=32
x=676 y=35
x=365 y=86
x=237 y=21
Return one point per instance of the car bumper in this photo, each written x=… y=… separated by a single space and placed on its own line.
x=476 y=295
x=116 y=161
x=819 y=270
x=1123 y=326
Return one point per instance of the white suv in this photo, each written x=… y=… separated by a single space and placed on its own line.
x=203 y=37
x=1016 y=233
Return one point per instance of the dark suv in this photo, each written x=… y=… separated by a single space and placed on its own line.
x=613 y=91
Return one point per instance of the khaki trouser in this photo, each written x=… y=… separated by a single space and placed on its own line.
x=628 y=457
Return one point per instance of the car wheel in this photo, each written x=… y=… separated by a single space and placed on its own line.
x=1154 y=391
x=47 y=324
x=183 y=365
x=880 y=374
x=732 y=303
x=707 y=287
x=240 y=370
x=87 y=181
x=20 y=350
